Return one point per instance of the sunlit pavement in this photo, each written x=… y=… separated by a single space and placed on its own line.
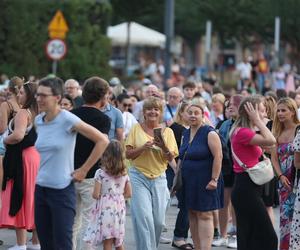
x=8 y=236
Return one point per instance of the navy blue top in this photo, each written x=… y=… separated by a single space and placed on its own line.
x=197 y=172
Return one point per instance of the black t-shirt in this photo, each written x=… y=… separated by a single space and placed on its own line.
x=84 y=146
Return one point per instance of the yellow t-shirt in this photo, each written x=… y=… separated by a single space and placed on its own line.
x=151 y=162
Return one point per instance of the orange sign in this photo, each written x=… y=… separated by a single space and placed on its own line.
x=58 y=26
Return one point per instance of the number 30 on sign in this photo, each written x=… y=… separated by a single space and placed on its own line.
x=56 y=49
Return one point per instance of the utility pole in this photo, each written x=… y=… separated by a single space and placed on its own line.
x=277 y=40
x=207 y=44
x=169 y=32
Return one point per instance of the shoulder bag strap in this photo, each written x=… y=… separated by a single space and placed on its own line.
x=170 y=110
x=244 y=166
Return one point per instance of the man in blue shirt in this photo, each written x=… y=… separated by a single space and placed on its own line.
x=116 y=125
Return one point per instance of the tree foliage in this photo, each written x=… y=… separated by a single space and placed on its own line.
x=23 y=35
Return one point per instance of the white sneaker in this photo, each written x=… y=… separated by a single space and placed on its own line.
x=232 y=242
x=220 y=242
x=17 y=247
x=33 y=246
x=164 y=240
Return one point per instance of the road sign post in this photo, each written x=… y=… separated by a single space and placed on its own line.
x=56 y=48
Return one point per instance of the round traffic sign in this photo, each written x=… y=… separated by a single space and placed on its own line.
x=56 y=49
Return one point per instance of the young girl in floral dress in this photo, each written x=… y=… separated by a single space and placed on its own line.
x=112 y=187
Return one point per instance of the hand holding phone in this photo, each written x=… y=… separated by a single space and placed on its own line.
x=158 y=138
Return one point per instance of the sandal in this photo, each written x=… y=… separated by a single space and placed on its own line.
x=186 y=246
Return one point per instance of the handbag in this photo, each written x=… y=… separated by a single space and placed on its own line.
x=177 y=181
x=261 y=173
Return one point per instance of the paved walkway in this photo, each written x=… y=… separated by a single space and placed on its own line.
x=8 y=236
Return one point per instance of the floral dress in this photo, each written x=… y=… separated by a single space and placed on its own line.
x=285 y=153
x=107 y=219
x=295 y=229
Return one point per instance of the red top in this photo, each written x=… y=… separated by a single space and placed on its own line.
x=248 y=154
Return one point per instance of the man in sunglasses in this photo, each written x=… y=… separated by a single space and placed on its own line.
x=125 y=105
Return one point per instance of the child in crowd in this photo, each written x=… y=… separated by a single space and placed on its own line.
x=112 y=187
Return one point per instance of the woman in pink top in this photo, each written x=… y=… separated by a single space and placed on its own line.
x=254 y=227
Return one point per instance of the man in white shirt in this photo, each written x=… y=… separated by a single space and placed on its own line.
x=244 y=68
x=124 y=103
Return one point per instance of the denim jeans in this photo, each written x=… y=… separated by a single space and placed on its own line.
x=148 y=207
x=84 y=204
x=54 y=217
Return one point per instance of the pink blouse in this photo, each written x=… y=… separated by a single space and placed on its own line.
x=248 y=154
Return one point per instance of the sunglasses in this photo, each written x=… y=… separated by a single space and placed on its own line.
x=126 y=105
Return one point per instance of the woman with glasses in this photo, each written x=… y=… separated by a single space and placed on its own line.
x=21 y=163
x=55 y=198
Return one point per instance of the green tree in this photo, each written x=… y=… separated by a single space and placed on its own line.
x=23 y=35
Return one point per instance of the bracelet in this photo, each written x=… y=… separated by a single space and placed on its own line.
x=214 y=179
x=279 y=176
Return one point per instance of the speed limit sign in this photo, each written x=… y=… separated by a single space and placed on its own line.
x=56 y=49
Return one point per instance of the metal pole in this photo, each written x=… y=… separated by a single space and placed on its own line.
x=54 y=67
x=277 y=39
x=207 y=44
x=169 y=32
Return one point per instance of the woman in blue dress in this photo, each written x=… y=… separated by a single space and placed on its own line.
x=201 y=157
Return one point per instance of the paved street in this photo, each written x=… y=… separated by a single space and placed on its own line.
x=9 y=236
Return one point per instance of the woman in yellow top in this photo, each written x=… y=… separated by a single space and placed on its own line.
x=150 y=157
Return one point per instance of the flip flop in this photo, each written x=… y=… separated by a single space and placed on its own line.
x=186 y=246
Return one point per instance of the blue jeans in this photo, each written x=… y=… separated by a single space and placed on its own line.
x=148 y=207
x=261 y=81
x=54 y=217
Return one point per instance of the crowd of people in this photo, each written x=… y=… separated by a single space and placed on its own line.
x=74 y=158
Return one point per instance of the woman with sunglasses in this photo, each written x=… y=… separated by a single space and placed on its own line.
x=21 y=163
x=55 y=197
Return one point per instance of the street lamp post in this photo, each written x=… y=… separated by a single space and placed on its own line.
x=169 y=32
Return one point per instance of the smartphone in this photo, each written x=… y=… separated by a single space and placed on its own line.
x=158 y=134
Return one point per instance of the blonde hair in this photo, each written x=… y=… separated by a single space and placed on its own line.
x=113 y=159
x=218 y=98
x=278 y=126
x=178 y=115
x=154 y=102
x=15 y=84
x=243 y=120
x=200 y=103
x=270 y=105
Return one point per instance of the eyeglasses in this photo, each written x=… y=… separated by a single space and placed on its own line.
x=173 y=97
x=126 y=105
x=41 y=95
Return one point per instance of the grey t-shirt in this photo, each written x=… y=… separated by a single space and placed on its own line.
x=56 y=144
